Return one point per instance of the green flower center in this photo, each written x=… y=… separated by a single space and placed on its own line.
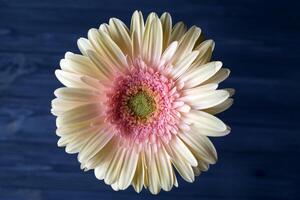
x=141 y=104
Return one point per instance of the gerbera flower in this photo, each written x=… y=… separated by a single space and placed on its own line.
x=139 y=103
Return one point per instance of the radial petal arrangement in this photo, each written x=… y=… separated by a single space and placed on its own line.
x=139 y=102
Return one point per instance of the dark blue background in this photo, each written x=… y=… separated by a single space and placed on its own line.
x=258 y=40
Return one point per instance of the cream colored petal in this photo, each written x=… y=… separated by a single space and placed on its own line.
x=128 y=169
x=199 y=89
x=145 y=166
x=137 y=29
x=186 y=44
x=205 y=52
x=206 y=99
x=108 y=50
x=152 y=42
x=138 y=179
x=113 y=171
x=165 y=169
x=78 y=140
x=94 y=83
x=199 y=75
x=80 y=65
x=95 y=144
x=166 y=22
x=220 y=108
x=102 y=66
x=197 y=171
x=200 y=145
x=84 y=45
x=154 y=182
x=75 y=136
x=178 y=31
x=146 y=36
x=115 y=186
x=184 y=109
x=78 y=115
x=136 y=45
x=75 y=128
x=184 y=64
x=203 y=165
x=231 y=91
x=102 y=156
x=70 y=80
x=180 y=149
x=220 y=76
x=169 y=52
x=175 y=180
x=60 y=105
x=205 y=121
x=77 y=95
x=103 y=159
x=120 y=35
x=184 y=169
x=104 y=27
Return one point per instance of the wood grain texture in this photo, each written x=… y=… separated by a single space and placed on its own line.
x=258 y=41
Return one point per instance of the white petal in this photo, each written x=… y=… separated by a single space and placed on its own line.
x=197 y=171
x=128 y=169
x=84 y=45
x=184 y=64
x=178 y=31
x=60 y=106
x=200 y=89
x=199 y=75
x=184 y=169
x=79 y=114
x=152 y=42
x=187 y=43
x=95 y=144
x=165 y=169
x=184 y=109
x=137 y=29
x=231 y=91
x=146 y=37
x=100 y=64
x=138 y=179
x=113 y=171
x=94 y=83
x=200 y=144
x=78 y=139
x=205 y=52
x=154 y=182
x=108 y=50
x=219 y=76
x=207 y=124
x=104 y=27
x=206 y=99
x=80 y=65
x=182 y=151
x=103 y=159
x=102 y=156
x=119 y=33
x=169 y=52
x=77 y=95
x=166 y=22
x=220 y=108
x=70 y=79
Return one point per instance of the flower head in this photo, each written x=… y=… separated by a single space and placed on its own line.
x=139 y=103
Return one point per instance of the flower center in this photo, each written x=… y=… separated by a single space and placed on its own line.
x=141 y=104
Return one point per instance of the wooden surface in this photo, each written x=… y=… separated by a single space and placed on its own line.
x=258 y=40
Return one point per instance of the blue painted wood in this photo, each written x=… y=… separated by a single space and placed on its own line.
x=259 y=41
